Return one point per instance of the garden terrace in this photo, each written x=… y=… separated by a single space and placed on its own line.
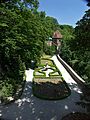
x=51 y=86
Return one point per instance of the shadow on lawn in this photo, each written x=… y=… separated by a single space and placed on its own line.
x=28 y=107
x=51 y=91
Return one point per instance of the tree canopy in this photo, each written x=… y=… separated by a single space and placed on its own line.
x=23 y=32
x=77 y=50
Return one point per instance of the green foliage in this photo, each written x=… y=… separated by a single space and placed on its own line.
x=49 y=50
x=24 y=31
x=76 y=51
x=82 y=43
x=65 y=52
x=47 y=87
x=43 y=61
x=23 y=36
x=20 y=42
x=82 y=32
x=39 y=73
x=50 y=25
x=7 y=90
x=55 y=73
x=67 y=32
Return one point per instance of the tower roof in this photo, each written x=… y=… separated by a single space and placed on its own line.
x=57 y=34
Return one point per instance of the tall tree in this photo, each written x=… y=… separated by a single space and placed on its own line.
x=82 y=32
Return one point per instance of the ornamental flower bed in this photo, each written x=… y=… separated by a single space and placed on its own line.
x=50 y=84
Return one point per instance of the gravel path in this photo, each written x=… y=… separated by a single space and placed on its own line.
x=29 y=107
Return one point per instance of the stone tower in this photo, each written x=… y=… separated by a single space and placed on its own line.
x=57 y=39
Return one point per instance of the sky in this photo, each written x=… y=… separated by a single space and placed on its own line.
x=65 y=11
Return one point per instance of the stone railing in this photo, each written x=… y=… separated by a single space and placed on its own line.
x=73 y=74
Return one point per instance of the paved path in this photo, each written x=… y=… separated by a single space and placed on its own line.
x=69 y=80
x=29 y=107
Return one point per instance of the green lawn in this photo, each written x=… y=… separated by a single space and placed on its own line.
x=50 y=88
x=44 y=61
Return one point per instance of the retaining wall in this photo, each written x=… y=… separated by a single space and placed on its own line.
x=73 y=74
